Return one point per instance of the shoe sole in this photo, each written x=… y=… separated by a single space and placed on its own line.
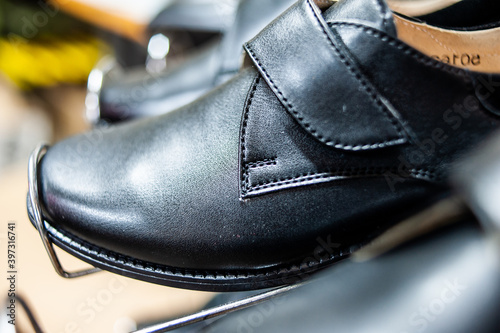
x=203 y=280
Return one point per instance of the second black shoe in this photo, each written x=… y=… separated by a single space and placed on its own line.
x=142 y=94
x=336 y=129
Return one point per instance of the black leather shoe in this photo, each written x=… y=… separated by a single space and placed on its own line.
x=334 y=131
x=141 y=94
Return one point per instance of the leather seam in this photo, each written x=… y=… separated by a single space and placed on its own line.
x=382 y=12
x=312 y=131
x=254 y=165
x=247 y=188
x=419 y=57
x=335 y=174
x=262 y=163
x=371 y=91
x=97 y=252
x=244 y=171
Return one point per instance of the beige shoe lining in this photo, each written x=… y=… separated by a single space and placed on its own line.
x=475 y=50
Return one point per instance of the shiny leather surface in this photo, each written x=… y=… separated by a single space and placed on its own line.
x=446 y=283
x=146 y=94
x=235 y=182
x=355 y=117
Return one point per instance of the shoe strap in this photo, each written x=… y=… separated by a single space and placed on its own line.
x=312 y=73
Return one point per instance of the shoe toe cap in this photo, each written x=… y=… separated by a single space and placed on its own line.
x=80 y=191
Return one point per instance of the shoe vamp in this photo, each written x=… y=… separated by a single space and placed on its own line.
x=168 y=190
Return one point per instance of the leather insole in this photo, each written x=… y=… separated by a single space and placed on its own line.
x=477 y=50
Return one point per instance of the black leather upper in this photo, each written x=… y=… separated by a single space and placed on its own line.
x=356 y=117
x=336 y=132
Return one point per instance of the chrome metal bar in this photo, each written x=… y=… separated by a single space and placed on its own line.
x=94 y=87
x=219 y=310
x=35 y=158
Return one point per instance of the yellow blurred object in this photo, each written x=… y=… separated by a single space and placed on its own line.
x=34 y=64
